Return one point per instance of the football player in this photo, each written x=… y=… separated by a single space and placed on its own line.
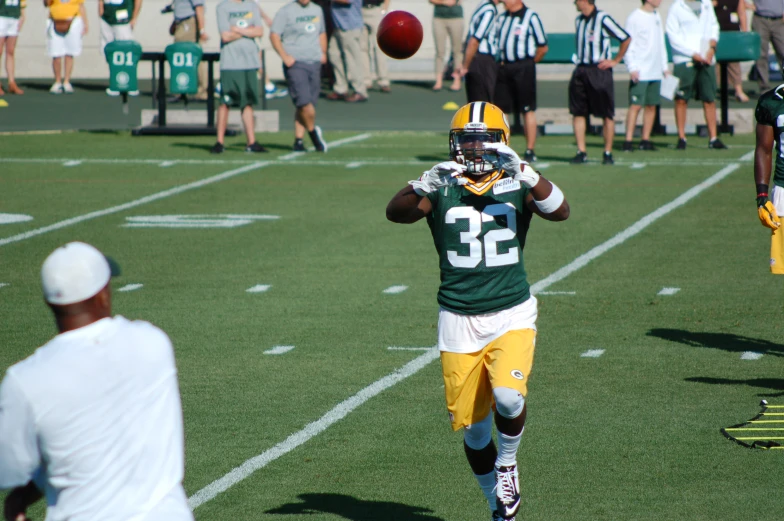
x=770 y=114
x=478 y=207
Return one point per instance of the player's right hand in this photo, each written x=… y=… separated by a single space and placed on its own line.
x=443 y=174
x=767 y=213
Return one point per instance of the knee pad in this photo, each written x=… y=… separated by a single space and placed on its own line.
x=508 y=402
x=477 y=436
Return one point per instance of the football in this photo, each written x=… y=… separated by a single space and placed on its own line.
x=399 y=35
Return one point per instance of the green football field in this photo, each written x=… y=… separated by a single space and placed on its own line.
x=303 y=322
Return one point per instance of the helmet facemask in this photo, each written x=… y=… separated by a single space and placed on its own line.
x=466 y=147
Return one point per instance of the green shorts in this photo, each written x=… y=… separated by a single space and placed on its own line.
x=644 y=93
x=239 y=88
x=697 y=82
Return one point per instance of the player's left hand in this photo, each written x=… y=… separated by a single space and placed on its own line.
x=767 y=213
x=509 y=161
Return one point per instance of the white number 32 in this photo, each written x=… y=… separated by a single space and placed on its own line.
x=491 y=238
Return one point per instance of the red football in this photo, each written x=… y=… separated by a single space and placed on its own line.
x=399 y=35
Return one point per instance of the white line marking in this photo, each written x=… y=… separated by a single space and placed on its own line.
x=164 y=164
x=393 y=348
x=194 y=221
x=637 y=166
x=154 y=197
x=309 y=431
x=751 y=355
x=278 y=350
x=258 y=288
x=557 y=293
x=3 y=284
x=541 y=166
x=391 y=290
x=11 y=218
x=72 y=163
x=354 y=164
x=668 y=291
x=131 y=287
x=634 y=229
x=748 y=156
x=592 y=353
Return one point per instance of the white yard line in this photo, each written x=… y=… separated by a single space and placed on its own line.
x=160 y=195
x=592 y=353
x=395 y=348
x=258 y=288
x=557 y=293
x=751 y=355
x=392 y=290
x=278 y=350
x=668 y=291
x=341 y=410
x=131 y=287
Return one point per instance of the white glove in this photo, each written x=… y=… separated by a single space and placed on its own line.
x=442 y=174
x=509 y=161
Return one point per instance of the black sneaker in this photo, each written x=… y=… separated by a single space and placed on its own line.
x=299 y=146
x=716 y=144
x=217 y=148
x=628 y=146
x=681 y=144
x=495 y=516
x=646 y=145
x=255 y=147
x=529 y=156
x=607 y=159
x=318 y=139
x=579 y=159
x=507 y=492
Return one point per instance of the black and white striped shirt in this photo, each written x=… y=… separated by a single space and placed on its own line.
x=518 y=35
x=593 y=37
x=481 y=27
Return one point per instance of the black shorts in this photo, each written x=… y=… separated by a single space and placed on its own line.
x=304 y=82
x=592 y=92
x=515 y=90
x=481 y=78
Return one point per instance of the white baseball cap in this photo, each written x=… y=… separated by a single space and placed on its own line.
x=73 y=273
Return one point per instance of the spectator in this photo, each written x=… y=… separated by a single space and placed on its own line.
x=479 y=66
x=522 y=43
x=66 y=26
x=372 y=13
x=768 y=22
x=646 y=60
x=448 y=23
x=731 y=15
x=189 y=26
x=345 y=51
x=239 y=24
x=591 y=89
x=299 y=36
x=271 y=90
x=118 y=19
x=11 y=20
x=693 y=32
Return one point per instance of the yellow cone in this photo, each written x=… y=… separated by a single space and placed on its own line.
x=3 y=103
x=450 y=106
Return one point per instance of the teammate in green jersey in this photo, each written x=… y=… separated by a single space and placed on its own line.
x=770 y=125
x=478 y=207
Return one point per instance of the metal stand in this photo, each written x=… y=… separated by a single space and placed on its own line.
x=725 y=127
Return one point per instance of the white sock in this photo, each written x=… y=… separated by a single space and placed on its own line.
x=507 y=449
x=487 y=484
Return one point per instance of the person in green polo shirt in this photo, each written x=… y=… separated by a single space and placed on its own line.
x=11 y=20
x=118 y=19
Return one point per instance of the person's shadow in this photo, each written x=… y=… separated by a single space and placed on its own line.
x=774 y=384
x=724 y=341
x=354 y=509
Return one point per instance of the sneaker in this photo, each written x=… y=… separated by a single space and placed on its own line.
x=529 y=156
x=681 y=144
x=607 y=159
x=299 y=146
x=579 y=159
x=628 y=146
x=255 y=147
x=507 y=491
x=334 y=96
x=647 y=145
x=217 y=148
x=67 y=88
x=716 y=144
x=318 y=139
x=112 y=93
x=56 y=88
x=133 y=93
x=497 y=517
x=385 y=89
x=356 y=98
x=272 y=91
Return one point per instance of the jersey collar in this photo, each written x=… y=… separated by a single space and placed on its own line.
x=480 y=188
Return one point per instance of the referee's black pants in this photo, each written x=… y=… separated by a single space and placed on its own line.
x=481 y=78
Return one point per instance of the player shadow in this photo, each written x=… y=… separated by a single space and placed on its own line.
x=773 y=384
x=431 y=158
x=240 y=146
x=354 y=509
x=723 y=341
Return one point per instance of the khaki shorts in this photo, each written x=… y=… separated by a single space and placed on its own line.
x=469 y=378
x=239 y=88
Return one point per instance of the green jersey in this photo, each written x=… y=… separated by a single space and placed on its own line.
x=117 y=12
x=480 y=239
x=11 y=8
x=770 y=111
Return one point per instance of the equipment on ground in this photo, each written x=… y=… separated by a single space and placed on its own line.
x=764 y=431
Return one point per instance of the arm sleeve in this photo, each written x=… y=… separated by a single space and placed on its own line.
x=630 y=58
x=19 y=455
x=762 y=114
x=539 y=34
x=223 y=20
x=485 y=24
x=713 y=24
x=279 y=22
x=257 y=21
x=322 y=22
x=663 y=50
x=674 y=34
x=614 y=29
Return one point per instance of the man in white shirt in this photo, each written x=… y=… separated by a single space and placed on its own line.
x=92 y=420
x=646 y=60
x=693 y=31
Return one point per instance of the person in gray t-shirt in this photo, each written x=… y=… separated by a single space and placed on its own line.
x=239 y=22
x=298 y=35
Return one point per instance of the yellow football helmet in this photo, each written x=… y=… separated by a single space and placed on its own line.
x=472 y=126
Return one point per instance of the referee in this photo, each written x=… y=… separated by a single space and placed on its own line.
x=521 y=44
x=591 y=89
x=479 y=66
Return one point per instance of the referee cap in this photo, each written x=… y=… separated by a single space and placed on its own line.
x=75 y=272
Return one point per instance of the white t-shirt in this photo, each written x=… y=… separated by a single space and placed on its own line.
x=647 y=53
x=95 y=416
